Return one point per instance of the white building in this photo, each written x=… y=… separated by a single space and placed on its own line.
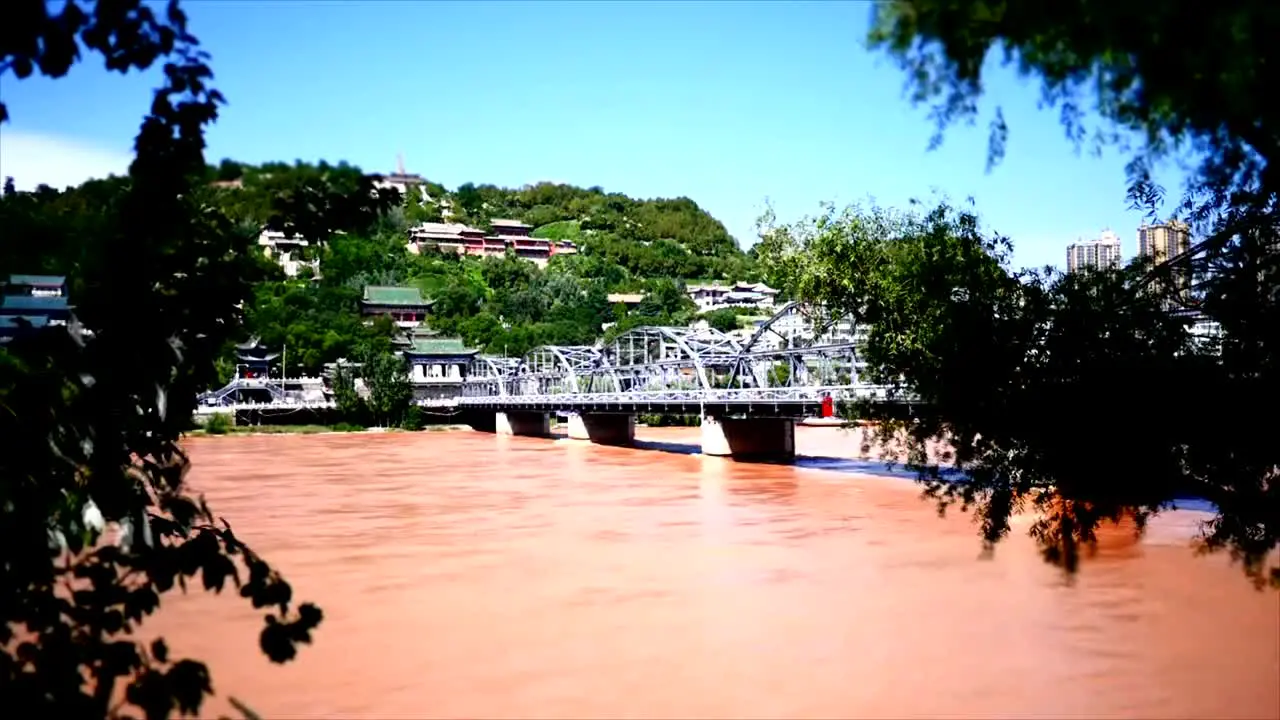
x=286 y=251
x=1101 y=253
x=629 y=299
x=741 y=294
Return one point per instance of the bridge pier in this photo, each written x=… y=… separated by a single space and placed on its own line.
x=750 y=438
x=536 y=424
x=603 y=429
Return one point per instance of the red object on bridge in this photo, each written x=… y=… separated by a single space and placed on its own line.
x=828 y=407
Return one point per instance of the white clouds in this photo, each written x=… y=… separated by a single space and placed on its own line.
x=31 y=159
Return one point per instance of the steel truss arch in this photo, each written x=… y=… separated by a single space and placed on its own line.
x=656 y=356
x=810 y=324
x=800 y=346
x=807 y=339
x=489 y=375
x=554 y=369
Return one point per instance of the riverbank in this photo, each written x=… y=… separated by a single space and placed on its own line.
x=315 y=430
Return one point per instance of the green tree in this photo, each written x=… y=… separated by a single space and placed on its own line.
x=779 y=375
x=99 y=416
x=1144 y=73
x=1014 y=369
x=316 y=204
x=229 y=170
x=349 y=404
x=666 y=299
x=724 y=319
x=219 y=424
x=418 y=210
x=468 y=202
x=508 y=273
x=1178 y=80
x=390 y=393
x=319 y=323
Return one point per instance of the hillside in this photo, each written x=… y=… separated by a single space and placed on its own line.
x=357 y=237
x=649 y=237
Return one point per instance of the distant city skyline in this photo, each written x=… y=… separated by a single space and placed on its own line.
x=1159 y=240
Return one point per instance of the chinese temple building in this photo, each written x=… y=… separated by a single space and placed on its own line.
x=507 y=236
x=31 y=302
x=253 y=360
x=405 y=305
x=437 y=366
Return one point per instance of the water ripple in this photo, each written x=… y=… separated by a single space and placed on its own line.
x=467 y=575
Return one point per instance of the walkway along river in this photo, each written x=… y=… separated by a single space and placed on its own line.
x=469 y=575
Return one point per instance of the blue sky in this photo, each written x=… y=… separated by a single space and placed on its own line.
x=726 y=103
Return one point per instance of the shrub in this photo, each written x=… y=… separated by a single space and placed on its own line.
x=219 y=424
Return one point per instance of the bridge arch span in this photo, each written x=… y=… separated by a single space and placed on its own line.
x=489 y=375
x=795 y=325
x=656 y=357
x=555 y=369
x=826 y=342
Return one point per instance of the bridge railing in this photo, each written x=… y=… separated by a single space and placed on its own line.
x=831 y=365
x=715 y=395
x=275 y=404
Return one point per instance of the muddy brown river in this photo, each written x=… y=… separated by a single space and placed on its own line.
x=470 y=575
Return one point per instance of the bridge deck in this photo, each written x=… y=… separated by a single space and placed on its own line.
x=756 y=402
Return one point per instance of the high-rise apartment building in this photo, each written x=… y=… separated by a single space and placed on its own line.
x=1101 y=253
x=1163 y=241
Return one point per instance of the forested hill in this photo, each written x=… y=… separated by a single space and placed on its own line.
x=358 y=238
x=589 y=212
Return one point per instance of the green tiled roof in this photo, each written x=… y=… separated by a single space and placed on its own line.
x=37 y=280
x=440 y=346
x=383 y=295
x=34 y=303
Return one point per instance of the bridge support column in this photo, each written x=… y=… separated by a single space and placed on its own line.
x=749 y=439
x=603 y=429
x=524 y=423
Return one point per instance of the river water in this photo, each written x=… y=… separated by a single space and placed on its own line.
x=471 y=575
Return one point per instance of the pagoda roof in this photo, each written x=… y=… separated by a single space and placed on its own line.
x=440 y=346
x=396 y=296
x=252 y=350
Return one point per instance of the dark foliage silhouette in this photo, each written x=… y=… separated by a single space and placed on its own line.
x=1083 y=395
x=95 y=524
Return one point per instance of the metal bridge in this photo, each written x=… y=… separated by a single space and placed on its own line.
x=801 y=355
x=795 y=359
